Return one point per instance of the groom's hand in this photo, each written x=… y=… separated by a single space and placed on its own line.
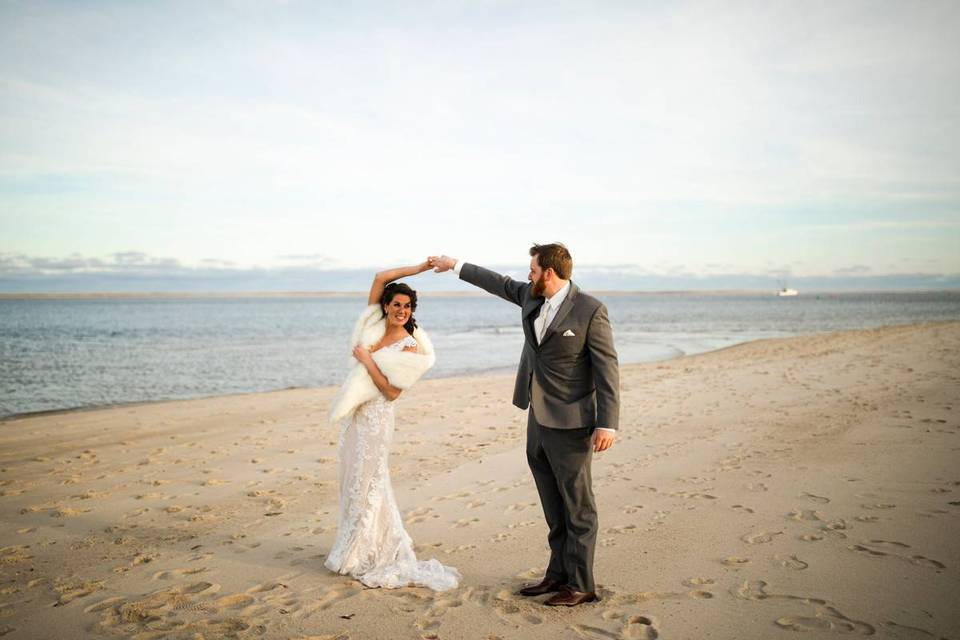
x=603 y=440
x=443 y=263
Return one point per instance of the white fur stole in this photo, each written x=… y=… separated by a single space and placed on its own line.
x=402 y=368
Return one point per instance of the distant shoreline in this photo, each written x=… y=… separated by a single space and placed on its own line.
x=221 y=295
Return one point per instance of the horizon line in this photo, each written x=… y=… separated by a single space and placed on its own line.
x=91 y=295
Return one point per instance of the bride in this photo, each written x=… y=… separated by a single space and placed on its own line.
x=391 y=354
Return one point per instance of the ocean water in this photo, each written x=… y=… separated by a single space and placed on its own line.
x=59 y=354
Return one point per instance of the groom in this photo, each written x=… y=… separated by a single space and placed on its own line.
x=569 y=379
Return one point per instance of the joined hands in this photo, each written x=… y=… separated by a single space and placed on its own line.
x=442 y=263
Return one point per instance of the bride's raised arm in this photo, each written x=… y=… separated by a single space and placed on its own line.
x=383 y=278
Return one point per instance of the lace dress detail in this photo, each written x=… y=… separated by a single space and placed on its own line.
x=371 y=543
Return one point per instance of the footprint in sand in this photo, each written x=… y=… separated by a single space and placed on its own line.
x=741 y=508
x=836 y=528
x=174 y=609
x=465 y=522
x=90 y=495
x=734 y=561
x=926 y=562
x=760 y=538
x=178 y=573
x=697 y=582
x=757 y=590
x=920 y=561
x=417 y=515
x=426 y=547
x=620 y=529
x=68 y=591
x=331 y=596
x=14 y=554
x=67 y=512
x=815 y=498
x=913 y=631
x=266 y=586
x=515 y=610
x=630 y=627
x=889 y=543
x=235 y=601
x=826 y=619
x=458 y=548
x=791 y=562
x=806 y=515
x=520 y=506
x=148 y=496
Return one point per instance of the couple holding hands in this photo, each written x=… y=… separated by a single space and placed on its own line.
x=567 y=380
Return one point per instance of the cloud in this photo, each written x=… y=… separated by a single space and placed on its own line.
x=857 y=269
x=311 y=259
x=133 y=271
x=123 y=262
x=645 y=128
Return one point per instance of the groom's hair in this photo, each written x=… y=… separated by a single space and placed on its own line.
x=553 y=256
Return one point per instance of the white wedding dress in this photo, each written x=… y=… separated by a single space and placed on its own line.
x=371 y=543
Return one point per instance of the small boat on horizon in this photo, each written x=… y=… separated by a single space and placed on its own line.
x=786 y=292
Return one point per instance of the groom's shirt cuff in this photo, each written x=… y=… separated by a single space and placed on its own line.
x=606 y=429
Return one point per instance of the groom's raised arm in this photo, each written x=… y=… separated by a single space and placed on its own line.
x=499 y=285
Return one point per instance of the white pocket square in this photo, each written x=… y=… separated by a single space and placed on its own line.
x=569 y=334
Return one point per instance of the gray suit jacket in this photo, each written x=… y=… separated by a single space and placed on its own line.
x=570 y=381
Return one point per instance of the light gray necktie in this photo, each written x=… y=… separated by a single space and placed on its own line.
x=542 y=321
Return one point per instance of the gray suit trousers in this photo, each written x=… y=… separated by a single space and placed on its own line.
x=560 y=462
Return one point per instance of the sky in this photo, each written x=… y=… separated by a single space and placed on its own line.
x=302 y=145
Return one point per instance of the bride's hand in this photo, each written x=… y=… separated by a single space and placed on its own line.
x=361 y=354
x=428 y=264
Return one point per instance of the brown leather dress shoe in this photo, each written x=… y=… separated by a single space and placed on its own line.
x=547 y=585
x=570 y=598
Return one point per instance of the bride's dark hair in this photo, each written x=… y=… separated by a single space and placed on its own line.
x=393 y=289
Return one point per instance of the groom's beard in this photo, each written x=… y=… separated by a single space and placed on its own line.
x=538 y=286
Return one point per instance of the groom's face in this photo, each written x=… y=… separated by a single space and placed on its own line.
x=536 y=277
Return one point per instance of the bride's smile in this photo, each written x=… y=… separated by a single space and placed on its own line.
x=398 y=311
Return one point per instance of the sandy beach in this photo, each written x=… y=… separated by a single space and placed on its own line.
x=802 y=487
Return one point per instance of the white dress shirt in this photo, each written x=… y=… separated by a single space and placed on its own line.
x=547 y=312
x=549 y=309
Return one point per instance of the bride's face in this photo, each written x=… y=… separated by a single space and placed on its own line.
x=398 y=310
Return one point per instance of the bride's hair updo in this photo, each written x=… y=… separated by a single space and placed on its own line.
x=393 y=289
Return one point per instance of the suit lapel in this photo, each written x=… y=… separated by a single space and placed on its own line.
x=561 y=313
x=531 y=309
